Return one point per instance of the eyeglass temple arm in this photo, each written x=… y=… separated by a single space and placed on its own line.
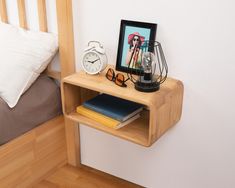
x=127 y=79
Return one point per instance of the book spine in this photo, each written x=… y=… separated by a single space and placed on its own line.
x=128 y=121
x=104 y=120
x=104 y=112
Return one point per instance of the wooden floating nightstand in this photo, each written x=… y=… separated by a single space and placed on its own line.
x=164 y=106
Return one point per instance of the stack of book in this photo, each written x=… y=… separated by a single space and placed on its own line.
x=110 y=111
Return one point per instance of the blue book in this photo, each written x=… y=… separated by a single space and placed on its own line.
x=114 y=107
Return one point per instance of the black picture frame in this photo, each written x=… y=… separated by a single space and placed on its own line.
x=128 y=30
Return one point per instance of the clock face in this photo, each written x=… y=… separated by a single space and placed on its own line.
x=92 y=63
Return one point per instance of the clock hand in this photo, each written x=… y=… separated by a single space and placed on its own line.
x=93 y=61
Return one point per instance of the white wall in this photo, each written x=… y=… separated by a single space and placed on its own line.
x=198 y=40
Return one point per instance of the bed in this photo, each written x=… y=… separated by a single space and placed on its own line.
x=40 y=103
x=29 y=153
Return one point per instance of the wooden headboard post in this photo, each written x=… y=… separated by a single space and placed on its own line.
x=66 y=38
x=42 y=15
x=3 y=11
x=67 y=61
x=22 y=14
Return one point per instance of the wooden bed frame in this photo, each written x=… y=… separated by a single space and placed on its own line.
x=27 y=159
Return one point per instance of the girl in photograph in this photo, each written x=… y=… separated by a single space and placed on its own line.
x=133 y=58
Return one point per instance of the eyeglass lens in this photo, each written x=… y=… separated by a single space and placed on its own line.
x=136 y=39
x=110 y=74
x=119 y=79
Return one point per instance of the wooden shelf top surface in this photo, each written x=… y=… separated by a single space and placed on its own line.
x=101 y=84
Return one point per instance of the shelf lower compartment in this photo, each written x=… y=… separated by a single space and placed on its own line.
x=137 y=131
x=165 y=105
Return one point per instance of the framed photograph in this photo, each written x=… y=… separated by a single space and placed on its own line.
x=132 y=37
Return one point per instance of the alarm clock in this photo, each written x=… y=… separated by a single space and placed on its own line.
x=94 y=58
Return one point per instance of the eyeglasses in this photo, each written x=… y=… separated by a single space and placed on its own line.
x=136 y=39
x=119 y=79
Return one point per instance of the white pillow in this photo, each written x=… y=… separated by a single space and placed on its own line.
x=23 y=56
